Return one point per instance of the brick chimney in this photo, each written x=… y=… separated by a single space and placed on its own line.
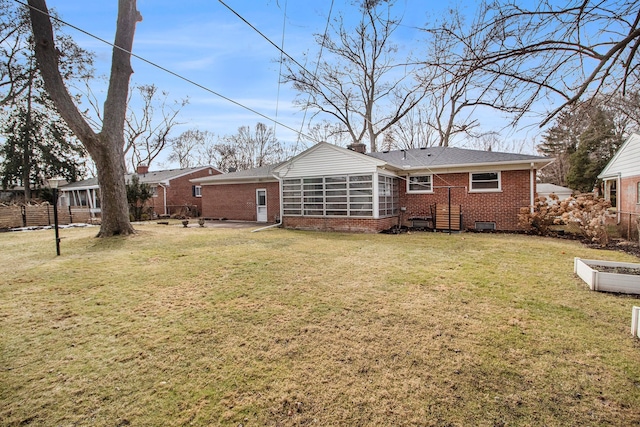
x=358 y=147
x=142 y=169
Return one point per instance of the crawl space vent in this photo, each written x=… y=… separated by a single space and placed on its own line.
x=481 y=226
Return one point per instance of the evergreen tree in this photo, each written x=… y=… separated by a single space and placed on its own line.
x=35 y=143
x=137 y=195
x=37 y=147
x=597 y=145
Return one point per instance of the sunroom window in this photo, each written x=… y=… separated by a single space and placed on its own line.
x=349 y=195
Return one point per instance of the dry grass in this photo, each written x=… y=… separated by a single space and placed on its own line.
x=205 y=326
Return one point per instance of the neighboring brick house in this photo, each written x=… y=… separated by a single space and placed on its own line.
x=621 y=184
x=333 y=188
x=173 y=193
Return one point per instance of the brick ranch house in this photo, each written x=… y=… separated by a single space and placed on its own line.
x=332 y=188
x=621 y=185
x=172 y=191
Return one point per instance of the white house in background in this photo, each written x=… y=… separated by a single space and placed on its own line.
x=621 y=182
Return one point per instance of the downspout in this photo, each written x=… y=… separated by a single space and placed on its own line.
x=164 y=200
x=281 y=208
x=532 y=185
x=618 y=188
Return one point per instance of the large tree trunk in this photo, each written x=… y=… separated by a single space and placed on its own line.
x=106 y=148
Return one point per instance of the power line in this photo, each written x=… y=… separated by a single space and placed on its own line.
x=166 y=70
x=315 y=73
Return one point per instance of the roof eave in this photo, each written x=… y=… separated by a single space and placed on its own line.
x=468 y=166
x=234 y=180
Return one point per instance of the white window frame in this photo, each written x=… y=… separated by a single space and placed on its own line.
x=430 y=190
x=485 y=190
x=314 y=196
x=198 y=190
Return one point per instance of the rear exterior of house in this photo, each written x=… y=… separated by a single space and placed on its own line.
x=336 y=189
x=621 y=185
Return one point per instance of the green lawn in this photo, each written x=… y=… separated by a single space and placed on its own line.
x=203 y=326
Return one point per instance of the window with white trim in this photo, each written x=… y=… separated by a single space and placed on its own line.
x=197 y=191
x=484 y=181
x=420 y=184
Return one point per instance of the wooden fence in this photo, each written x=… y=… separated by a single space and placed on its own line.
x=40 y=215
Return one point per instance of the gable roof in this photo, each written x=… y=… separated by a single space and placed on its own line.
x=151 y=177
x=626 y=161
x=448 y=157
x=325 y=146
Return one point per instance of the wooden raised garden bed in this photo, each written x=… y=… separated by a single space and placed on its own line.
x=609 y=276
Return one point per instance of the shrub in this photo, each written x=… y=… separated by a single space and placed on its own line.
x=586 y=212
x=543 y=216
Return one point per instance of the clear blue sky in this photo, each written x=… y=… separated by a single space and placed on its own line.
x=205 y=42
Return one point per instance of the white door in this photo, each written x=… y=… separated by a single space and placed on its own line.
x=261 y=205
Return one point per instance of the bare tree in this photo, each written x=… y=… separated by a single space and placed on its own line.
x=359 y=83
x=414 y=130
x=568 y=52
x=147 y=130
x=106 y=146
x=14 y=30
x=252 y=148
x=457 y=84
x=331 y=132
x=247 y=149
x=192 y=148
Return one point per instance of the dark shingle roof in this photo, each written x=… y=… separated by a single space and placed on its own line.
x=448 y=156
x=244 y=175
x=151 y=177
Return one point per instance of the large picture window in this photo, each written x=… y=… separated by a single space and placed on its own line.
x=484 y=181
x=348 y=195
x=420 y=184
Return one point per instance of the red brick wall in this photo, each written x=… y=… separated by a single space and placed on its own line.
x=157 y=202
x=502 y=207
x=628 y=206
x=180 y=192
x=238 y=201
x=359 y=225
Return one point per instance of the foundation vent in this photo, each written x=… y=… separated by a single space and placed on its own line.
x=485 y=225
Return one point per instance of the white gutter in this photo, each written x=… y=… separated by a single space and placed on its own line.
x=532 y=184
x=164 y=201
x=618 y=189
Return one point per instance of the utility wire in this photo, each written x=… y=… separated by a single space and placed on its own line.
x=166 y=70
x=315 y=73
x=284 y=26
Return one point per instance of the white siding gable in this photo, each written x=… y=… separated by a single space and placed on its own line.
x=325 y=159
x=626 y=161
